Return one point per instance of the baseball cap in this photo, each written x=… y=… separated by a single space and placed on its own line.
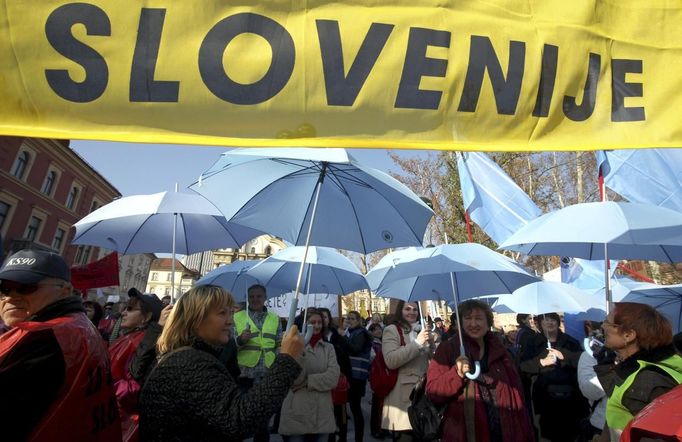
x=150 y=301
x=32 y=266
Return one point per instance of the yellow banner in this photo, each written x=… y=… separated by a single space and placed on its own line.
x=432 y=74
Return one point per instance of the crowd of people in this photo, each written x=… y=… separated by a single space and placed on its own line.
x=209 y=369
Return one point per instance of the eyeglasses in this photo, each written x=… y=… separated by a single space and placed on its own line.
x=609 y=323
x=23 y=289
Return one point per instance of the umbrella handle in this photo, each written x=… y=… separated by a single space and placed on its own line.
x=586 y=346
x=476 y=373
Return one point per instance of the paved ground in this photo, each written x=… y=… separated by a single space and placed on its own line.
x=350 y=437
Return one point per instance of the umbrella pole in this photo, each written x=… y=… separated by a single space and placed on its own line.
x=462 y=352
x=294 y=302
x=607 y=278
x=175 y=231
x=307 y=331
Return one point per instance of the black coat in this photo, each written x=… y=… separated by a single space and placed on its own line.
x=190 y=396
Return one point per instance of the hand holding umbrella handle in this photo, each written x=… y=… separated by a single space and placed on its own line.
x=476 y=373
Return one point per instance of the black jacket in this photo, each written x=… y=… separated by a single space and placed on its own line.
x=190 y=396
x=145 y=359
x=649 y=384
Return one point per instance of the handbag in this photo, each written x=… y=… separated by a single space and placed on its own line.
x=340 y=392
x=382 y=379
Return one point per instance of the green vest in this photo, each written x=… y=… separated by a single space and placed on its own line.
x=261 y=342
x=617 y=416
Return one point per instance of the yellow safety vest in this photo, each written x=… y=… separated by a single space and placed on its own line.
x=617 y=416
x=261 y=342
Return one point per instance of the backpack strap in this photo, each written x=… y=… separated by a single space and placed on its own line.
x=400 y=332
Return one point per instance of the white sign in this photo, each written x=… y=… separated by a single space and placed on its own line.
x=282 y=303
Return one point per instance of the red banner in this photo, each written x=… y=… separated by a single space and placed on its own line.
x=102 y=273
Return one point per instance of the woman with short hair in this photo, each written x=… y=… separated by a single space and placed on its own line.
x=648 y=364
x=190 y=395
x=498 y=411
x=556 y=396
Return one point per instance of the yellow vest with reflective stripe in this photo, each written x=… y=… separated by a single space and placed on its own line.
x=617 y=416
x=261 y=342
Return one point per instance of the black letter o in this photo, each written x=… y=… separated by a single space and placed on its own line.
x=215 y=44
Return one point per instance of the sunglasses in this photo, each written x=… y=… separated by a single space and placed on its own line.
x=6 y=287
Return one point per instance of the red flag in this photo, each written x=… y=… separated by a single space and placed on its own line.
x=100 y=273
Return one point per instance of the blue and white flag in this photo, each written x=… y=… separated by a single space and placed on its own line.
x=650 y=176
x=492 y=198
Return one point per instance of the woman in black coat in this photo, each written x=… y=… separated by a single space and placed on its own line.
x=556 y=395
x=190 y=395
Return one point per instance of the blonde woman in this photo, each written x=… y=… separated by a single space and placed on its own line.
x=190 y=395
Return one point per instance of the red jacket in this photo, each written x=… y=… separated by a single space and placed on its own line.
x=444 y=385
x=85 y=407
x=127 y=389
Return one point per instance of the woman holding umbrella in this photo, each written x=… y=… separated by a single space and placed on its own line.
x=405 y=348
x=649 y=366
x=498 y=412
x=553 y=358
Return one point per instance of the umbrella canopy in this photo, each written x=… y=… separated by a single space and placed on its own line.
x=144 y=224
x=632 y=231
x=421 y=274
x=547 y=297
x=234 y=278
x=667 y=299
x=326 y=270
x=358 y=208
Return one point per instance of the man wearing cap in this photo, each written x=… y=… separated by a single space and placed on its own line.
x=258 y=335
x=55 y=378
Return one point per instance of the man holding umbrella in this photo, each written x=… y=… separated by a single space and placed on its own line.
x=258 y=335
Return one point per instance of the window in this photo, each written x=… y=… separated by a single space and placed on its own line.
x=253 y=250
x=71 y=199
x=58 y=239
x=48 y=185
x=83 y=254
x=169 y=276
x=268 y=250
x=166 y=291
x=32 y=228
x=155 y=276
x=20 y=165
x=94 y=206
x=4 y=212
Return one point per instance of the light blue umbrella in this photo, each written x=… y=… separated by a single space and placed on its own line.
x=667 y=299
x=319 y=197
x=234 y=278
x=547 y=297
x=601 y=231
x=165 y=222
x=631 y=231
x=421 y=274
x=327 y=271
x=276 y=190
x=450 y=271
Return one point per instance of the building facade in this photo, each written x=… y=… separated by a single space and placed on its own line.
x=45 y=187
x=160 y=280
